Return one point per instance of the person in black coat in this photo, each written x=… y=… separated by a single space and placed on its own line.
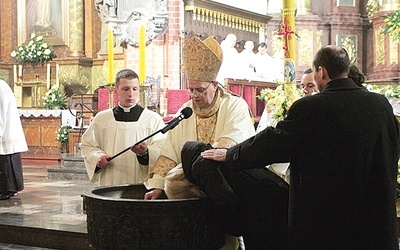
x=343 y=148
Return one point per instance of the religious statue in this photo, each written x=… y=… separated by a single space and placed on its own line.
x=126 y=16
x=43 y=17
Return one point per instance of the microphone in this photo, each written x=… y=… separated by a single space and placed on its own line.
x=185 y=113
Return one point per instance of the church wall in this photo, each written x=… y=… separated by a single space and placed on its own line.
x=162 y=54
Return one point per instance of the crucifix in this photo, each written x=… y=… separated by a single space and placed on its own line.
x=287 y=32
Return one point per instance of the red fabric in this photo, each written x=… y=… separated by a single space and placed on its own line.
x=248 y=96
x=175 y=99
x=235 y=89
x=102 y=99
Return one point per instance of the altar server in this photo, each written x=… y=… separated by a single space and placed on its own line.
x=114 y=130
x=12 y=143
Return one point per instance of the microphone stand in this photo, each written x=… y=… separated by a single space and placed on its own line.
x=172 y=124
x=123 y=151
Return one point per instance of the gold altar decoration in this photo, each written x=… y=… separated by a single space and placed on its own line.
x=380 y=50
x=349 y=43
x=390 y=5
x=223 y=19
x=305 y=47
x=30 y=94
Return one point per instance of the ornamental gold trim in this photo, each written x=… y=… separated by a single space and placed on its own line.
x=394 y=51
x=223 y=19
x=380 y=46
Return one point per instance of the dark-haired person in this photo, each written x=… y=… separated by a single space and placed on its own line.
x=356 y=75
x=343 y=147
x=113 y=130
x=308 y=85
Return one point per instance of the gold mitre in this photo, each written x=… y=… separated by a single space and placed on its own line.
x=202 y=59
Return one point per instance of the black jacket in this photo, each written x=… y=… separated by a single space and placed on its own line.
x=343 y=148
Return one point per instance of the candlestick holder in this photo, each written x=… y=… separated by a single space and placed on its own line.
x=110 y=88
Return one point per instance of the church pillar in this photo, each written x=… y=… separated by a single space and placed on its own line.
x=76 y=29
x=303 y=7
x=390 y=5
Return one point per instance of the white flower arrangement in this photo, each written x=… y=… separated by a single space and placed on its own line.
x=63 y=133
x=280 y=99
x=55 y=98
x=388 y=91
x=36 y=51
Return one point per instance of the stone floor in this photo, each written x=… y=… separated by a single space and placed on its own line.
x=43 y=209
x=46 y=211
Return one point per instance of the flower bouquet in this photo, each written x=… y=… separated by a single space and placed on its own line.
x=36 y=51
x=63 y=133
x=55 y=99
x=279 y=100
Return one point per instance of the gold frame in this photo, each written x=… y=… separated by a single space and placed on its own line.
x=341 y=5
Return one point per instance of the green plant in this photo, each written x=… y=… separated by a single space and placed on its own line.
x=280 y=99
x=388 y=91
x=63 y=133
x=35 y=51
x=392 y=28
x=55 y=98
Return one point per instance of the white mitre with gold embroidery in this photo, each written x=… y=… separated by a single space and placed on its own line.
x=202 y=59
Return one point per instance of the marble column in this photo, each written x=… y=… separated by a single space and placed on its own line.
x=304 y=7
x=76 y=12
x=390 y=5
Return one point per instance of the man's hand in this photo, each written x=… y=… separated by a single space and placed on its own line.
x=153 y=194
x=215 y=154
x=102 y=162
x=139 y=149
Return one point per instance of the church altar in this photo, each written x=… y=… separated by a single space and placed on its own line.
x=40 y=129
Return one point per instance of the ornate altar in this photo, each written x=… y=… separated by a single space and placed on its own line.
x=29 y=94
x=40 y=129
x=31 y=84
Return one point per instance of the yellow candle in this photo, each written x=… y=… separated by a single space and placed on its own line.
x=142 y=53
x=289 y=10
x=110 y=43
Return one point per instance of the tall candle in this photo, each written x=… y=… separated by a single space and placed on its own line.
x=19 y=70
x=15 y=73
x=142 y=53
x=110 y=43
x=57 y=78
x=48 y=76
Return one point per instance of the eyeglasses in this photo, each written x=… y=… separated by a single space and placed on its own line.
x=198 y=91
